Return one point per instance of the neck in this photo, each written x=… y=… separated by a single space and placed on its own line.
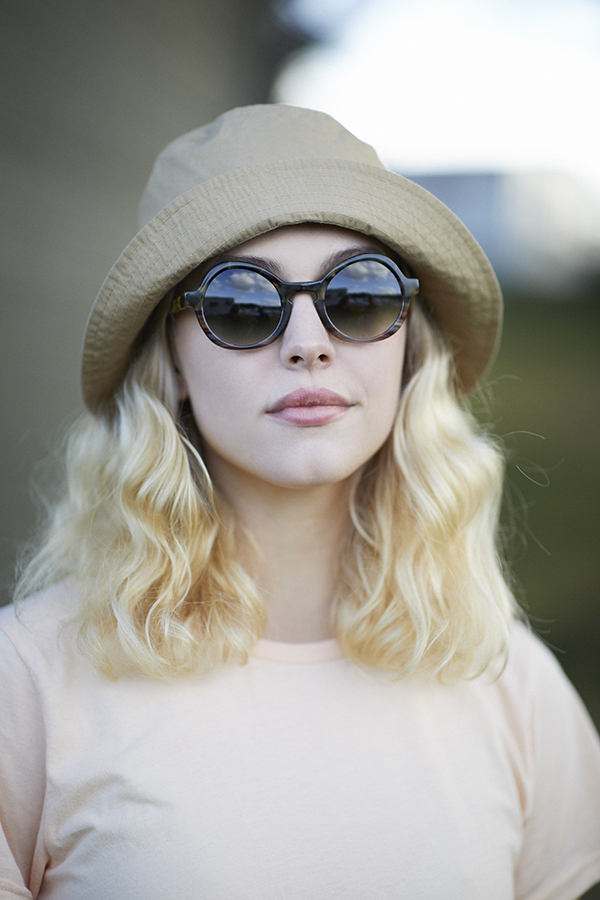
x=291 y=543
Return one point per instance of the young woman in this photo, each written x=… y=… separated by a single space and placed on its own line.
x=267 y=648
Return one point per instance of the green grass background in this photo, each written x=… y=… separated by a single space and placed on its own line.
x=543 y=399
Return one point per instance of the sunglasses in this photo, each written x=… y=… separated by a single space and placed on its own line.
x=241 y=306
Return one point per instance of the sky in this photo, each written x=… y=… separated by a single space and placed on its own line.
x=458 y=85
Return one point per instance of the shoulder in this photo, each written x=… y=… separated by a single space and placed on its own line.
x=540 y=706
x=58 y=602
x=34 y=628
x=528 y=654
x=533 y=678
x=558 y=753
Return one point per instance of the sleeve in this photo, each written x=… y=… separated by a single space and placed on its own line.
x=560 y=857
x=22 y=771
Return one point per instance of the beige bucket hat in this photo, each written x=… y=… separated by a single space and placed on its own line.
x=257 y=168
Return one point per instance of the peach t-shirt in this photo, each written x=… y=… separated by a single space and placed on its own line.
x=295 y=777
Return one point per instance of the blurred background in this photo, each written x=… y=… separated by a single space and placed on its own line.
x=490 y=104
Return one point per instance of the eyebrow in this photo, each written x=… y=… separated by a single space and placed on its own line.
x=271 y=265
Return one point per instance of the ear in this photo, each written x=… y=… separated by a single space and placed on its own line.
x=178 y=381
x=182 y=389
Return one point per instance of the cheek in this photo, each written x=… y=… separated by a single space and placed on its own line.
x=198 y=373
x=384 y=377
x=198 y=360
x=382 y=380
x=214 y=380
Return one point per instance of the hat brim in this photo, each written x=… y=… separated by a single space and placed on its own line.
x=458 y=284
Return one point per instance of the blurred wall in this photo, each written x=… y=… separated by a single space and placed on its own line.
x=90 y=93
x=540 y=230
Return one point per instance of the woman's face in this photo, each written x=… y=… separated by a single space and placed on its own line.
x=306 y=410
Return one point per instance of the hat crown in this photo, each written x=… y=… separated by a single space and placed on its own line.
x=243 y=137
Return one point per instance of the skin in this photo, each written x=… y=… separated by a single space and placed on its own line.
x=284 y=469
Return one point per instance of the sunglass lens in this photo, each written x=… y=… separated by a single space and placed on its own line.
x=364 y=299
x=241 y=307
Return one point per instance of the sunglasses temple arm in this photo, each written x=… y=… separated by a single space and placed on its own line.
x=178 y=303
x=412 y=287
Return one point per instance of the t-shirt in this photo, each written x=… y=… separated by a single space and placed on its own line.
x=298 y=776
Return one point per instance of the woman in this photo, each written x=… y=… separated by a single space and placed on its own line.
x=272 y=652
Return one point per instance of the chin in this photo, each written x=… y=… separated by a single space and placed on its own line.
x=315 y=475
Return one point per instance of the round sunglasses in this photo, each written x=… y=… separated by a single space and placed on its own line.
x=241 y=306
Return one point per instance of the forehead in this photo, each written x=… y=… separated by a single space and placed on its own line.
x=294 y=252
x=305 y=237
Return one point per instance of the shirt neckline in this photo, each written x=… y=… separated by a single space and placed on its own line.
x=297 y=654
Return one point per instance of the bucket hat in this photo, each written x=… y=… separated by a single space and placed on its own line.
x=257 y=168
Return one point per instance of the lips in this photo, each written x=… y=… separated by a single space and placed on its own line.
x=307 y=397
x=316 y=406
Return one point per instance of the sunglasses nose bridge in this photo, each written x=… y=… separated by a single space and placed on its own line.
x=289 y=292
x=316 y=290
x=291 y=289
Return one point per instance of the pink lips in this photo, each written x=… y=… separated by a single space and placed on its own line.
x=309 y=407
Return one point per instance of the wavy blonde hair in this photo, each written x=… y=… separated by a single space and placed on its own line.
x=152 y=547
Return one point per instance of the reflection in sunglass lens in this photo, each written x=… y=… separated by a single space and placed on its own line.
x=364 y=299
x=241 y=307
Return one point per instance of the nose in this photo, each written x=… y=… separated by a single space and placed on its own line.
x=305 y=341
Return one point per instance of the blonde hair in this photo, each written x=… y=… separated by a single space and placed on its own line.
x=152 y=547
